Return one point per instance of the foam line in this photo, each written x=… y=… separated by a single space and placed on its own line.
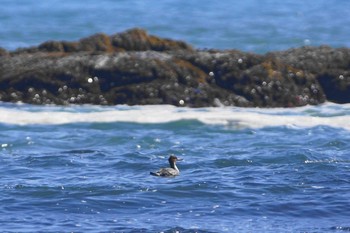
x=238 y=117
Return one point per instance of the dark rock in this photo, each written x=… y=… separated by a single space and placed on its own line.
x=131 y=40
x=98 y=42
x=329 y=65
x=275 y=84
x=121 y=78
x=136 y=68
x=315 y=59
x=139 y=40
x=262 y=80
x=3 y=52
x=336 y=85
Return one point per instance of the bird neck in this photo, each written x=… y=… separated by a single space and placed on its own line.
x=173 y=166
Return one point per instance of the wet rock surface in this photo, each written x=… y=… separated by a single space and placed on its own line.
x=135 y=68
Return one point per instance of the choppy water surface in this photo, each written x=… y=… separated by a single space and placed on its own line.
x=87 y=169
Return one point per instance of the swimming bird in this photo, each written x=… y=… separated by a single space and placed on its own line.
x=169 y=171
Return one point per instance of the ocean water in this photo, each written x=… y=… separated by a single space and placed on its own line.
x=86 y=169
x=251 y=25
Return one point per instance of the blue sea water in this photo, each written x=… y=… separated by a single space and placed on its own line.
x=251 y=25
x=86 y=169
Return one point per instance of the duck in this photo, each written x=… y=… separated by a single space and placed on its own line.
x=169 y=171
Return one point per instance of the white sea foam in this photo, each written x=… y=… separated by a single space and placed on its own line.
x=332 y=115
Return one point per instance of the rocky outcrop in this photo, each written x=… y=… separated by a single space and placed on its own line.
x=3 y=52
x=131 y=40
x=136 y=68
x=329 y=66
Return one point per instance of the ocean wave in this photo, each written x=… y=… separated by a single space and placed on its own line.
x=329 y=114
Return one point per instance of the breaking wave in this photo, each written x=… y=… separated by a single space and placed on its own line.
x=329 y=114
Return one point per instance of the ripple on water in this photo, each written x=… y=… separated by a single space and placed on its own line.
x=97 y=177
